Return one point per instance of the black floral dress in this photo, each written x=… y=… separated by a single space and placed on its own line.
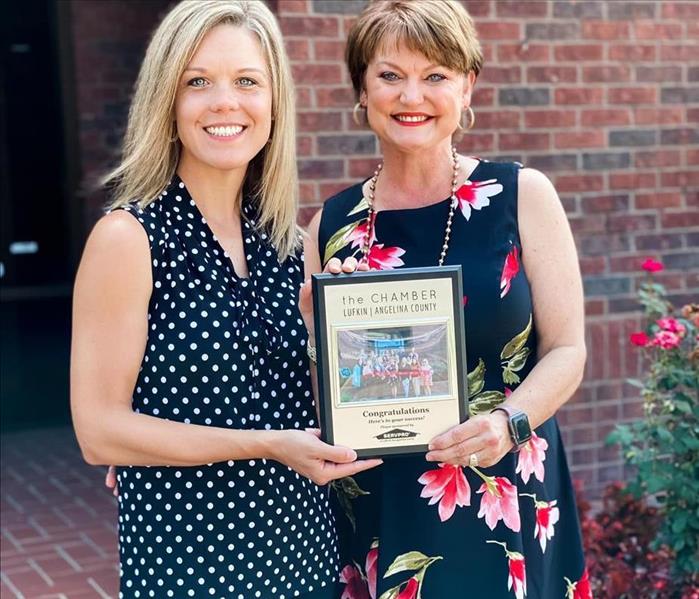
x=416 y=529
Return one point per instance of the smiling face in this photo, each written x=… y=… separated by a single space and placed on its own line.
x=412 y=104
x=223 y=105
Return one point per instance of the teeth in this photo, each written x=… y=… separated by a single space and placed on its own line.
x=411 y=119
x=224 y=131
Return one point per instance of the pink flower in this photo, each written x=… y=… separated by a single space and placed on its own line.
x=476 y=195
x=372 y=559
x=356 y=586
x=448 y=486
x=410 y=590
x=531 y=458
x=650 y=265
x=580 y=589
x=382 y=258
x=508 y=392
x=509 y=270
x=499 y=501
x=356 y=235
x=517 y=580
x=464 y=301
x=672 y=325
x=666 y=340
x=640 y=339
x=547 y=514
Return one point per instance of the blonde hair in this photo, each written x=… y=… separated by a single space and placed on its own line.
x=150 y=149
x=442 y=30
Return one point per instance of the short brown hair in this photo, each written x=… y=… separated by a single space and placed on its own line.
x=442 y=30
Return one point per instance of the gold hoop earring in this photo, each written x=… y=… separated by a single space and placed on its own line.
x=472 y=120
x=355 y=113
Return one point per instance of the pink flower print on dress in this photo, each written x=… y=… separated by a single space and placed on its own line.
x=499 y=502
x=547 y=515
x=372 y=559
x=580 y=589
x=357 y=235
x=517 y=578
x=476 y=195
x=381 y=258
x=509 y=270
x=410 y=590
x=531 y=458
x=356 y=585
x=448 y=486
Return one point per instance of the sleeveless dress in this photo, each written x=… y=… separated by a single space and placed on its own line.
x=228 y=352
x=436 y=531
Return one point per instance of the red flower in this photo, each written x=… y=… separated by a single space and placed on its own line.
x=410 y=590
x=509 y=270
x=448 y=486
x=672 y=325
x=666 y=340
x=580 y=589
x=547 y=514
x=517 y=580
x=499 y=502
x=476 y=195
x=464 y=301
x=372 y=559
x=531 y=458
x=384 y=259
x=640 y=339
x=356 y=235
x=650 y=265
x=356 y=586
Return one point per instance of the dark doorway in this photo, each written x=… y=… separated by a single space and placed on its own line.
x=38 y=226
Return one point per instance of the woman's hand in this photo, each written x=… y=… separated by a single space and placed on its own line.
x=110 y=481
x=335 y=267
x=487 y=437
x=304 y=452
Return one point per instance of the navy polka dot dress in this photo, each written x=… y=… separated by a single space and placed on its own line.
x=228 y=352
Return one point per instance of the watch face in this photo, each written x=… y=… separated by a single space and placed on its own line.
x=520 y=427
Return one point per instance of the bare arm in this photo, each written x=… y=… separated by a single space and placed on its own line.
x=110 y=308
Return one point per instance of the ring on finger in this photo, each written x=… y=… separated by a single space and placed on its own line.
x=473 y=460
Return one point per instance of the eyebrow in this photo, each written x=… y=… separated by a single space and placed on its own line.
x=395 y=66
x=243 y=70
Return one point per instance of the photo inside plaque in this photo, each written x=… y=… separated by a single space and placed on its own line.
x=392 y=363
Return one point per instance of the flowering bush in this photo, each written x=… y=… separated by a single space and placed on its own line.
x=663 y=446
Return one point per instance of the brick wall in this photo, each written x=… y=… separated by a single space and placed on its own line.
x=601 y=96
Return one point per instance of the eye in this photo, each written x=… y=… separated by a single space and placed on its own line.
x=197 y=82
x=389 y=76
x=246 y=82
x=436 y=77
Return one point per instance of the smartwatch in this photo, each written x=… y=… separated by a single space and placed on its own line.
x=518 y=424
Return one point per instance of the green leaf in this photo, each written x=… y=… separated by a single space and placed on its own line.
x=338 y=241
x=516 y=363
x=413 y=560
x=363 y=205
x=391 y=593
x=476 y=378
x=485 y=402
x=351 y=488
x=509 y=377
x=517 y=342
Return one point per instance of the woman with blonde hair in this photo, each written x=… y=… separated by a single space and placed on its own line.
x=489 y=511
x=189 y=366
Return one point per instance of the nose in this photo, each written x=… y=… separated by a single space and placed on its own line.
x=411 y=94
x=225 y=98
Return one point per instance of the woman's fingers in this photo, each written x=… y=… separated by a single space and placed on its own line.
x=334 y=266
x=350 y=265
x=334 y=471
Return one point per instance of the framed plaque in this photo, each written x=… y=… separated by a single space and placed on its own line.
x=391 y=357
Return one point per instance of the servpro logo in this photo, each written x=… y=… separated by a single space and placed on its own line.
x=396 y=433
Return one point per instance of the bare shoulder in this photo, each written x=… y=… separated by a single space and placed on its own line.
x=314 y=225
x=538 y=203
x=310 y=245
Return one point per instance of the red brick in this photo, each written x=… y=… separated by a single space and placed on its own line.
x=652 y=30
x=477 y=142
x=292 y=6
x=304 y=145
x=510 y=74
x=297 y=49
x=680 y=10
x=577 y=95
x=607 y=74
x=684 y=219
x=310 y=27
x=330 y=189
x=478 y=8
x=632 y=95
x=635 y=52
x=578 y=52
x=327 y=50
x=592 y=265
x=605 y=30
x=595 y=307
x=334 y=97
x=549 y=118
x=657 y=158
x=517 y=8
x=524 y=141
x=605 y=116
x=319 y=121
x=313 y=74
x=584 y=183
x=667 y=115
x=552 y=74
x=632 y=180
x=693 y=115
x=524 y=52
x=361 y=168
x=499 y=119
x=605 y=203
x=680 y=179
x=483 y=96
x=692 y=156
x=499 y=31
x=685 y=53
x=658 y=199
x=303 y=97
x=580 y=139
